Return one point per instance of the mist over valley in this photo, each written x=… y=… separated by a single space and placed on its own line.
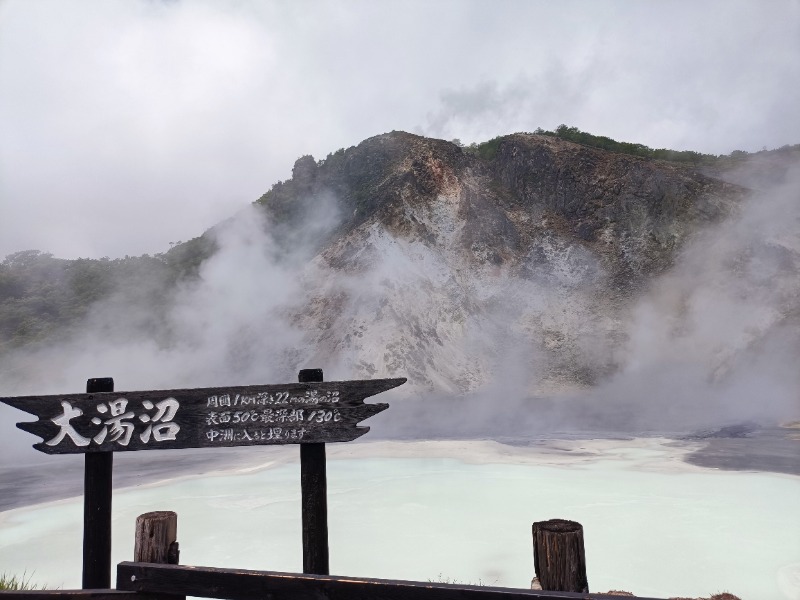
x=598 y=321
x=527 y=286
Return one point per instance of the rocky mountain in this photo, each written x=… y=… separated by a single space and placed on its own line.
x=522 y=258
x=630 y=212
x=526 y=266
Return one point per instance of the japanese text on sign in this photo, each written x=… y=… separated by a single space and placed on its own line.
x=119 y=424
x=266 y=399
x=305 y=412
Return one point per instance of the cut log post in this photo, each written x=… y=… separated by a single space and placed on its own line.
x=314 y=497
x=558 y=556
x=156 y=538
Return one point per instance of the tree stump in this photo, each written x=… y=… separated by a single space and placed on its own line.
x=558 y=556
x=156 y=534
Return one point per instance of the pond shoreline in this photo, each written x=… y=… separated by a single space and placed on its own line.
x=48 y=479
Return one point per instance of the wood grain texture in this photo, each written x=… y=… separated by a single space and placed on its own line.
x=314 y=497
x=558 y=555
x=314 y=492
x=295 y=413
x=101 y=594
x=97 y=492
x=241 y=584
x=156 y=534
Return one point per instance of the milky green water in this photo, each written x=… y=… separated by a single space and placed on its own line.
x=653 y=533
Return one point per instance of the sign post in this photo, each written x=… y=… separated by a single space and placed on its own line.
x=255 y=415
x=100 y=422
x=97 y=478
x=314 y=492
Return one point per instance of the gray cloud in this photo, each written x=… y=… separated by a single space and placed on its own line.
x=127 y=125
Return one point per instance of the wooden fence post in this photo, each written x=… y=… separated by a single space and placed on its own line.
x=156 y=538
x=156 y=541
x=97 y=476
x=314 y=493
x=558 y=556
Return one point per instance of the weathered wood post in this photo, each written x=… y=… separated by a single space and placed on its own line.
x=314 y=492
x=558 y=556
x=97 y=476
x=156 y=538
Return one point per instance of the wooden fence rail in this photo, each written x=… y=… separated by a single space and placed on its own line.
x=76 y=595
x=238 y=584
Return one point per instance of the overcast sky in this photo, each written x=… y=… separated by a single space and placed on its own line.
x=129 y=124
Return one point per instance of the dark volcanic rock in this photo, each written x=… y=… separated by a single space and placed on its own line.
x=631 y=213
x=740 y=430
x=542 y=239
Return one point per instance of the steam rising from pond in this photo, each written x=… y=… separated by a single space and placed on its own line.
x=713 y=341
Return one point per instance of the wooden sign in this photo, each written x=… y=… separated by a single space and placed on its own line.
x=294 y=413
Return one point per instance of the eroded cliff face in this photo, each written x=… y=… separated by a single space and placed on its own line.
x=528 y=283
x=456 y=269
x=632 y=213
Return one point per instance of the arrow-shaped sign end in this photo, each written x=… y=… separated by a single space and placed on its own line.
x=21 y=403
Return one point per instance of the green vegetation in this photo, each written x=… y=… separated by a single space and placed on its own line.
x=42 y=297
x=573 y=134
x=488 y=150
x=332 y=158
x=17 y=582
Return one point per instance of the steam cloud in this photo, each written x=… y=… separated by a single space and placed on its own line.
x=717 y=338
x=713 y=341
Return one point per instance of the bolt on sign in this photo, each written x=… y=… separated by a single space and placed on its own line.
x=294 y=413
